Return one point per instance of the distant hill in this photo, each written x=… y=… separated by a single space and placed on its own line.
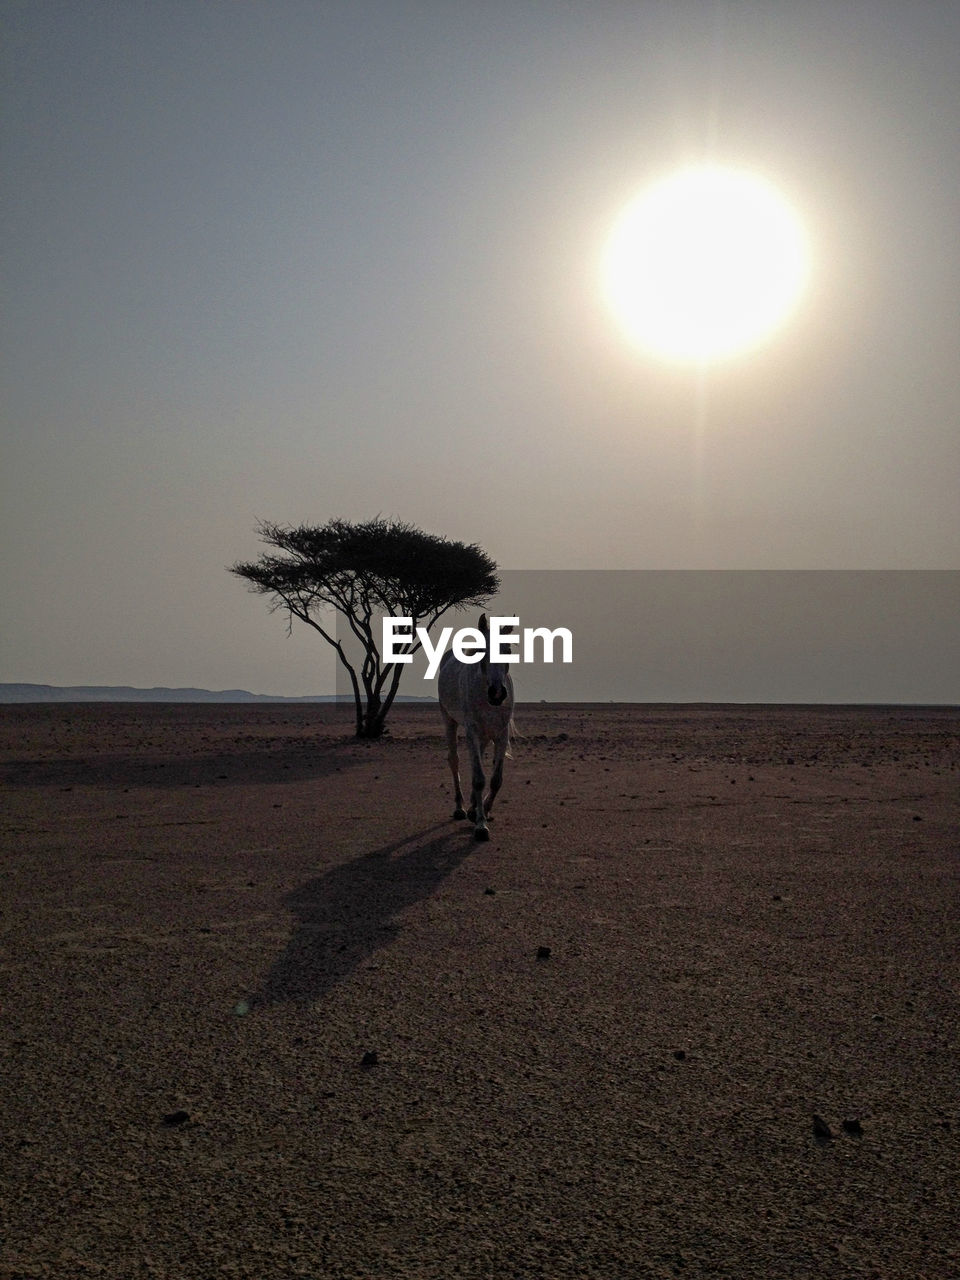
x=125 y=693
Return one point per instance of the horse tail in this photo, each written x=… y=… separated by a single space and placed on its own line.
x=512 y=732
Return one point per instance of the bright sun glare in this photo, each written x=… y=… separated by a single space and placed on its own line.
x=705 y=264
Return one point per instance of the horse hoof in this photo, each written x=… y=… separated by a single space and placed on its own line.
x=459 y=814
x=472 y=815
x=481 y=833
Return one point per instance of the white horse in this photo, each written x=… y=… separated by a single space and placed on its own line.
x=479 y=696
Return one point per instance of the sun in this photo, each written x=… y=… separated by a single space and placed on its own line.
x=705 y=264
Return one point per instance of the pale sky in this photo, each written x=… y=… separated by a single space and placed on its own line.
x=301 y=260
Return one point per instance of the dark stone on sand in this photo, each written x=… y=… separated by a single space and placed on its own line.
x=853 y=1127
x=175 y=1118
x=543 y=953
x=369 y=1059
x=489 y=892
x=821 y=1130
x=680 y=1055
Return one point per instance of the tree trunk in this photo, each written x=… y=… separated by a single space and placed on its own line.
x=371 y=726
x=370 y=720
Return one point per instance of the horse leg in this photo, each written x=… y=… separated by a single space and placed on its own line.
x=496 y=778
x=453 y=758
x=475 y=812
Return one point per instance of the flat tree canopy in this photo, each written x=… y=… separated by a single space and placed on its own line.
x=364 y=571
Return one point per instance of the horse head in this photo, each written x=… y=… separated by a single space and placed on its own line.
x=494 y=673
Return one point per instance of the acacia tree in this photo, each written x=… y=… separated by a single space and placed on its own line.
x=364 y=571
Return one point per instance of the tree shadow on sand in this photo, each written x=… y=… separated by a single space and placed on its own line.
x=297 y=763
x=348 y=913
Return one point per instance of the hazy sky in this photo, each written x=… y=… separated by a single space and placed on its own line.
x=297 y=260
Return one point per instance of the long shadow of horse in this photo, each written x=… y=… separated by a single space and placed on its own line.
x=348 y=913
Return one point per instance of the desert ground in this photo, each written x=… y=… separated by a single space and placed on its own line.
x=267 y=1011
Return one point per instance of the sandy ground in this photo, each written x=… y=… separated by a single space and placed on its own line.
x=212 y=914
